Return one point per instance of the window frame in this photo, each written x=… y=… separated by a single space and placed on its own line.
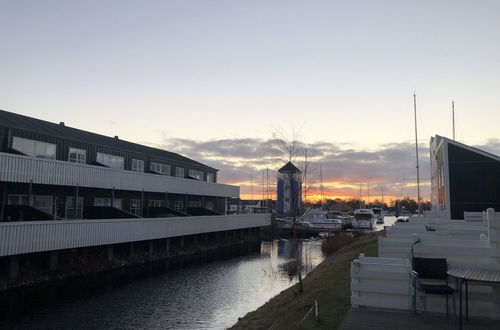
x=79 y=152
x=157 y=168
x=110 y=161
x=21 y=144
x=135 y=168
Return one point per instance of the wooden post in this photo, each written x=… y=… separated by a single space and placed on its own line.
x=142 y=203
x=30 y=193
x=4 y=202
x=76 y=201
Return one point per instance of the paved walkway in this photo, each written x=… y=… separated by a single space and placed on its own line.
x=362 y=318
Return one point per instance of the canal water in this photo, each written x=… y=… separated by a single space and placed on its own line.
x=205 y=296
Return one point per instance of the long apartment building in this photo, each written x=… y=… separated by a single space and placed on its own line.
x=52 y=171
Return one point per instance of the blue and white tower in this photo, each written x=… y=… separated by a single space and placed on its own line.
x=289 y=189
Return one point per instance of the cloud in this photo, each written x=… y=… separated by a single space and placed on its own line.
x=390 y=167
x=492 y=146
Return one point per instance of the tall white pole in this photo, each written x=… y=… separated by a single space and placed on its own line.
x=416 y=152
x=453 y=117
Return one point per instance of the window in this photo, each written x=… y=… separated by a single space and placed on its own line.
x=194 y=204
x=179 y=206
x=18 y=200
x=179 y=172
x=198 y=175
x=156 y=203
x=210 y=177
x=287 y=199
x=160 y=168
x=137 y=165
x=34 y=148
x=43 y=203
x=73 y=211
x=209 y=205
x=99 y=201
x=77 y=155
x=104 y=201
x=110 y=160
x=135 y=206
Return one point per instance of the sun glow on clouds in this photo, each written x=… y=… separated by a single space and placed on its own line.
x=251 y=163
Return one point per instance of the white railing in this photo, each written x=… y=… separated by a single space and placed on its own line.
x=24 y=169
x=380 y=282
x=38 y=236
x=384 y=282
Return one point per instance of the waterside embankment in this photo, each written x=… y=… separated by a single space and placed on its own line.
x=328 y=284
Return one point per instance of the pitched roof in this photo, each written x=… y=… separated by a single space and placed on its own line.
x=14 y=120
x=289 y=168
x=459 y=144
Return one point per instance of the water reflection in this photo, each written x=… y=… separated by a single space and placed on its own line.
x=207 y=296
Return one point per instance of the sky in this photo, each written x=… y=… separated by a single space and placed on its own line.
x=218 y=80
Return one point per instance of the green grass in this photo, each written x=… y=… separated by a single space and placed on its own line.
x=329 y=284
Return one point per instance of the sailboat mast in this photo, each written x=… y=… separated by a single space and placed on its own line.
x=321 y=182
x=453 y=117
x=416 y=152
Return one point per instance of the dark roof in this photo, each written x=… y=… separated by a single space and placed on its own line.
x=289 y=168
x=13 y=120
x=474 y=149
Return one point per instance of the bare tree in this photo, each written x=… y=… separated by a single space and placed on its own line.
x=307 y=170
x=290 y=142
x=289 y=148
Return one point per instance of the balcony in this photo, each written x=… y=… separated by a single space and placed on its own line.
x=25 y=169
x=40 y=236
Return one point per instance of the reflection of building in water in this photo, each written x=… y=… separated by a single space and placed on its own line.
x=266 y=248
x=286 y=249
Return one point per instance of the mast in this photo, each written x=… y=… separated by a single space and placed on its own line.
x=453 y=117
x=382 y=195
x=263 y=186
x=360 y=196
x=368 y=193
x=267 y=183
x=321 y=183
x=416 y=152
x=251 y=186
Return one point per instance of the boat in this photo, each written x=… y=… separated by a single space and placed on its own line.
x=363 y=219
x=379 y=214
x=318 y=219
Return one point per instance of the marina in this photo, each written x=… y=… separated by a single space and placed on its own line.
x=245 y=165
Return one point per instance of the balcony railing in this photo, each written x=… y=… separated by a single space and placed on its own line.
x=24 y=169
x=39 y=236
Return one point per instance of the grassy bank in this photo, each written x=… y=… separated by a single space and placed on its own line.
x=329 y=284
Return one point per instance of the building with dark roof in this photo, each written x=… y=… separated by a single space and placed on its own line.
x=52 y=171
x=463 y=178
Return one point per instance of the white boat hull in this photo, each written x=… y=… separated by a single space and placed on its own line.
x=323 y=225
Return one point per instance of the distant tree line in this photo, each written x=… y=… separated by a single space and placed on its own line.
x=345 y=205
